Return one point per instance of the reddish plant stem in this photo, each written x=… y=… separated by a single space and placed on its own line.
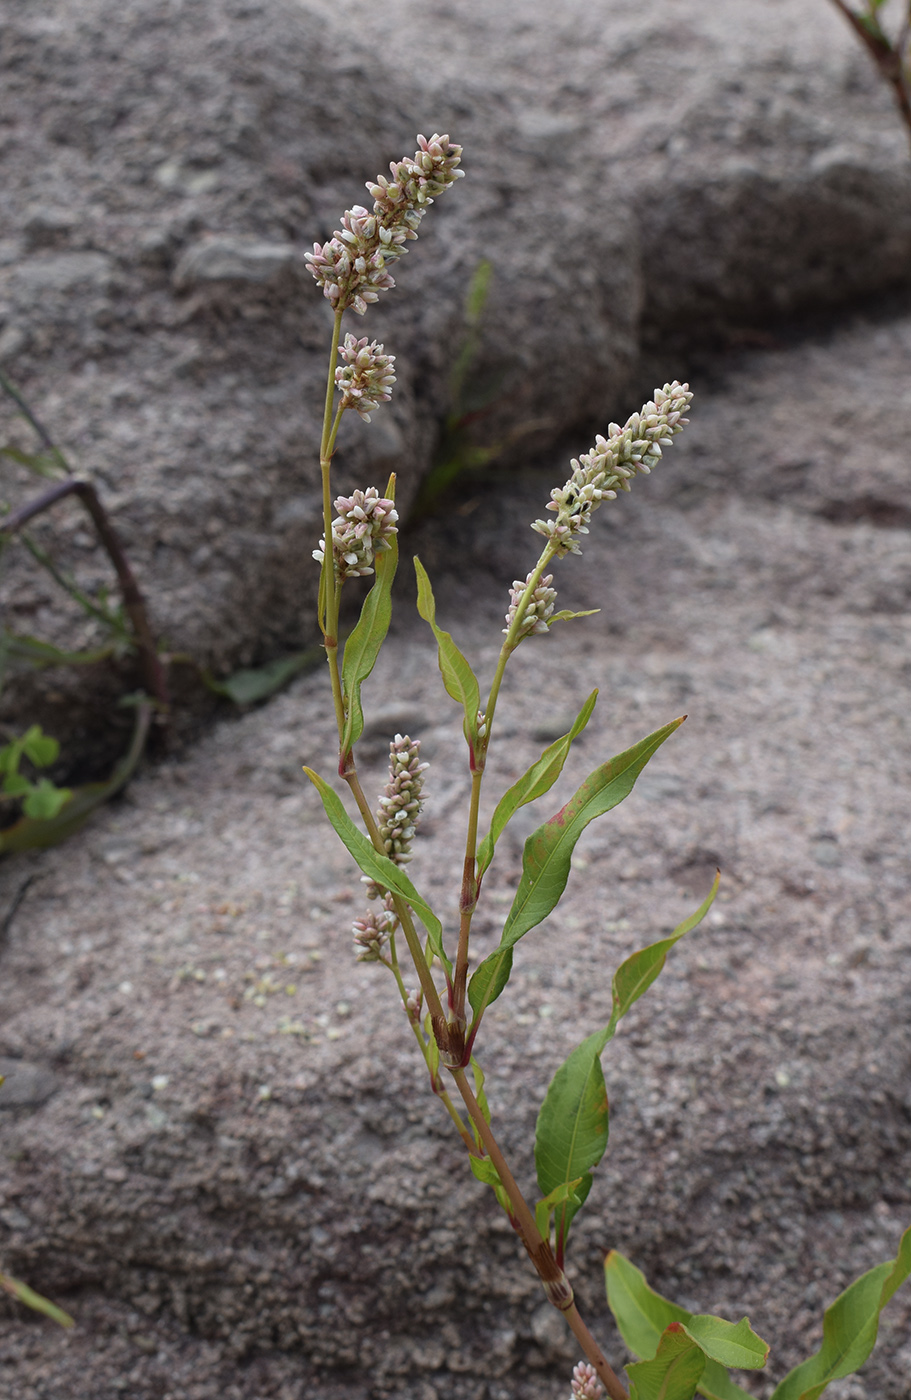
x=152 y=671
x=889 y=58
x=556 y=1284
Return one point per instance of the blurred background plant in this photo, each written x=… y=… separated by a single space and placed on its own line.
x=889 y=45
x=38 y=812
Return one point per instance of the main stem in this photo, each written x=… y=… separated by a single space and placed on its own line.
x=328 y=582
x=556 y=1285
x=554 y=1280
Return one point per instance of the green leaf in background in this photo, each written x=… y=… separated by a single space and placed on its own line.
x=572 y=1128
x=39 y=747
x=41 y=463
x=363 y=645
x=458 y=677
x=29 y=651
x=673 y=1373
x=31 y=833
x=23 y=1294
x=642 y=1315
x=246 y=687
x=547 y=855
x=379 y=868
x=849 y=1328
x=16 y=785
x=537 y=780
x=44 y=801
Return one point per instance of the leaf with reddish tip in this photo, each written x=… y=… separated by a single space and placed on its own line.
x=673 y=1373
x=642 y=1316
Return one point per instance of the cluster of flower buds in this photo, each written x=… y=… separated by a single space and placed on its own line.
x=586 y=1385
x=371 y=932
x=352 y=266
x=365 y=524
x=400 y=804
x=540 y=606
x=611 y=464
x=366 y=378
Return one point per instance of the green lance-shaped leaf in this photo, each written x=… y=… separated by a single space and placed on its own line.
x=379 y=867
x=47 y=464
x=537 y=780
x=23 y=1294
x=363 y=646
x=642 y=1315
x=849 y=1328
x=547 y=856
x=458 y=677
x=572 y=1128
x=673 y=1373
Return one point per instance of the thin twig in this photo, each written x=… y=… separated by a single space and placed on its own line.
x=29 y=413
x=889 y=59
x=6 y=922
x=133 y=601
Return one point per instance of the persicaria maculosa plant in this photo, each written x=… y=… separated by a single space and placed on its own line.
x=682 y=1354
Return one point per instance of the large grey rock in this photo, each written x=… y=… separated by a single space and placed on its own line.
x=244 y=1186
x=233 y=260
x=632 y=176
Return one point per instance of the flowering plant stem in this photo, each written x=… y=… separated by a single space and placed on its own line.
x=687 y=1353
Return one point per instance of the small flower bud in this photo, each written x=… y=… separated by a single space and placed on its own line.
x=586 y=1385
x=371 y=934
x=400 y=804
x=366 y=378
x=539 y=609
